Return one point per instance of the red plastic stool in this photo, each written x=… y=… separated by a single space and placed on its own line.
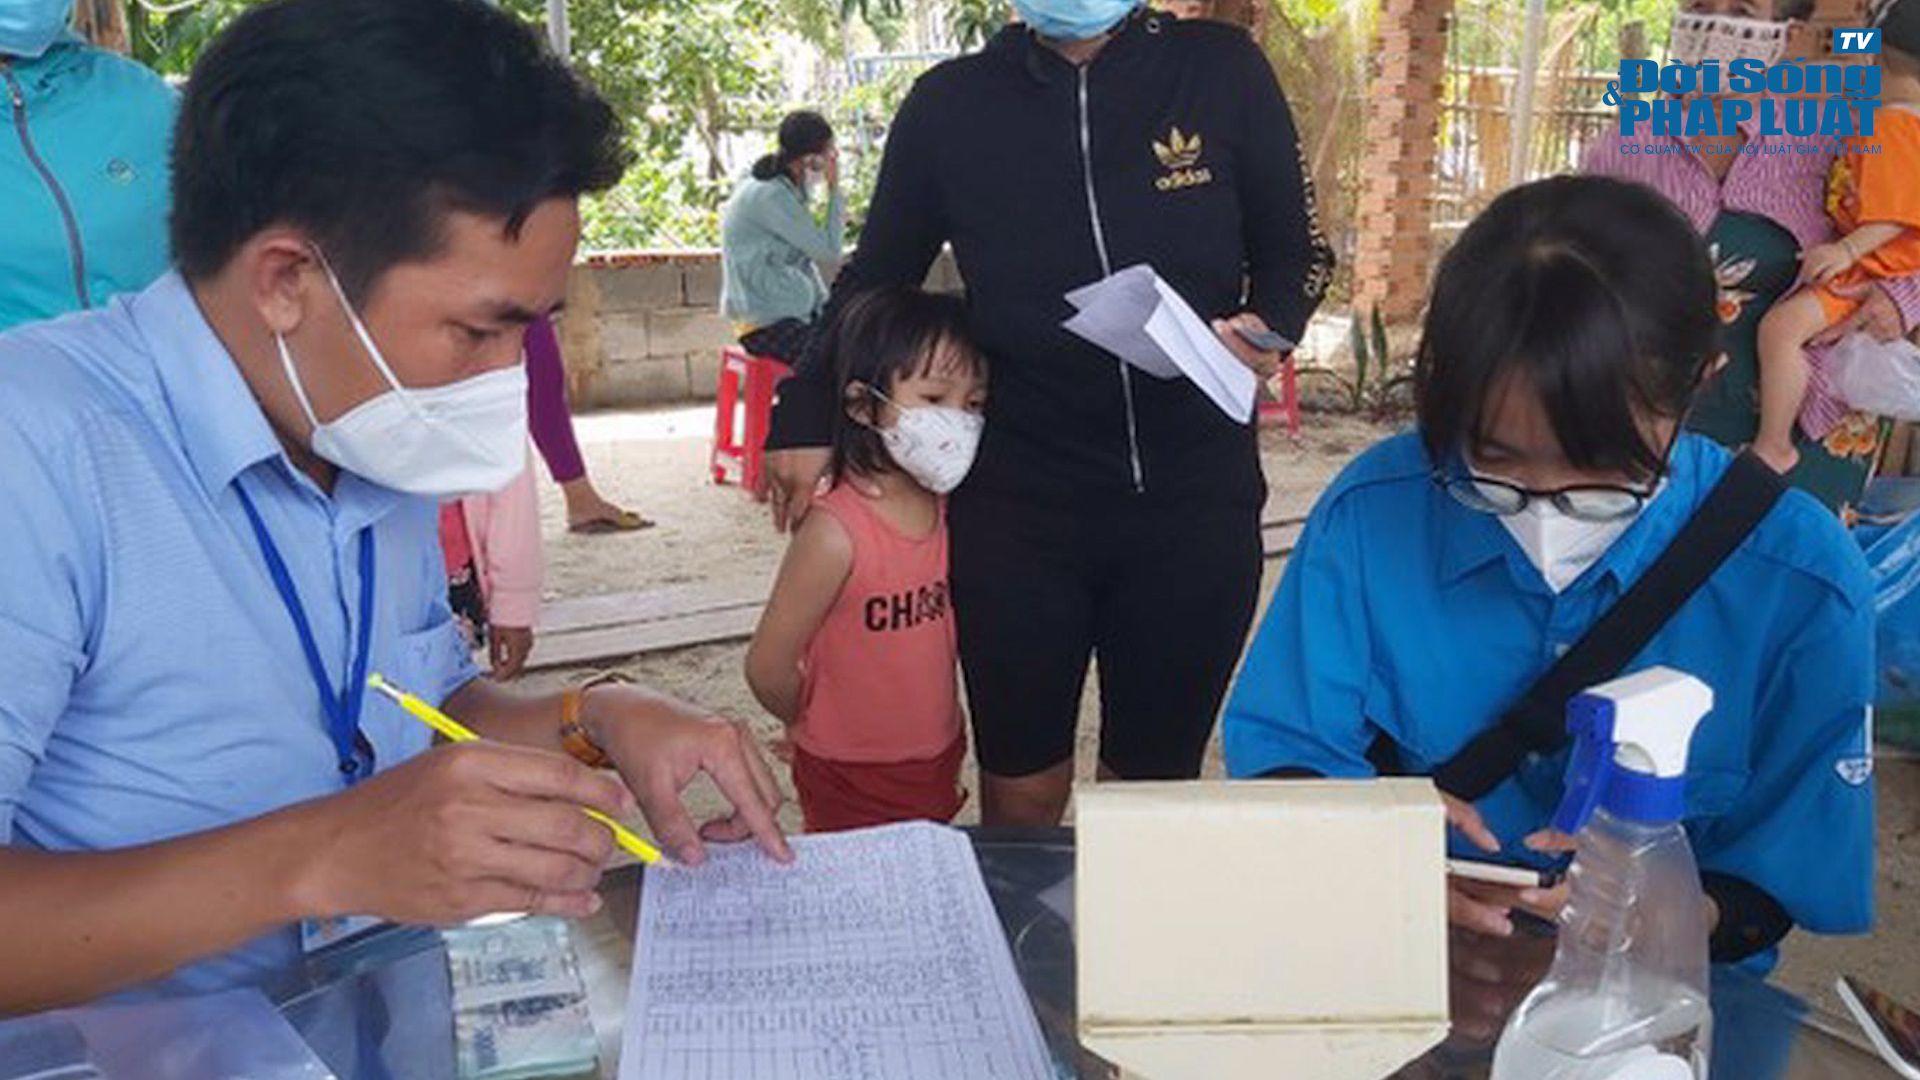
x=747 y=383
x=1286 y=409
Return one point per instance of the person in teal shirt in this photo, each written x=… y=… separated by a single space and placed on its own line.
x=83 y=168
x=1557 y=363
x=771 y=248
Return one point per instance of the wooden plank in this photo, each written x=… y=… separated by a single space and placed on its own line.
x=613 y=626
x=618 y=609
x=619 y=642
x=1277 y=538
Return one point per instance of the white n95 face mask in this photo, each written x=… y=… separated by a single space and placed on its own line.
x=464 y=438
x=934 y=444
x=1560 y=546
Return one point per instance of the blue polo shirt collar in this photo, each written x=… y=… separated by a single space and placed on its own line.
x=221 y=425
x=1687 y=484
x=1469 y=539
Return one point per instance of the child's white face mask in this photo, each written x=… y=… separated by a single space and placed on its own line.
x=934 y=444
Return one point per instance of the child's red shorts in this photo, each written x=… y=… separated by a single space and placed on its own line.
x=836 y=795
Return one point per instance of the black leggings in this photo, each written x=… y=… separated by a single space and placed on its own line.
x=1163 y=594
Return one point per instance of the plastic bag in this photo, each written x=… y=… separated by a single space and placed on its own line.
x=1882 y=378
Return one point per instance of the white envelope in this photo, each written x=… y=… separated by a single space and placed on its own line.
x=1113 y=315
x=1142 y=320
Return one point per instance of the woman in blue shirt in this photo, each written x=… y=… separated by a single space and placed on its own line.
x=771 y=246
x=1559 y=357
x=83 y=168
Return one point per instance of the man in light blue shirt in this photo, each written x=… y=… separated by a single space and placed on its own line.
x=220 y=499
x=135 y=578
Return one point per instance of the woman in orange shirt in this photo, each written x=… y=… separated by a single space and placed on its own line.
x=1874 y=201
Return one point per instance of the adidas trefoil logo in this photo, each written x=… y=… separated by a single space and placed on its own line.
x=1179 y=151
x=1179 y=155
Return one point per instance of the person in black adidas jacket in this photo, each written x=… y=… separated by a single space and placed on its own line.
x=1108 y=513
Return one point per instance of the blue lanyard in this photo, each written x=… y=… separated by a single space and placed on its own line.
x=342 y=709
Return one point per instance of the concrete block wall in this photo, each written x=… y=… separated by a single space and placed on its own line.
x=644 y=327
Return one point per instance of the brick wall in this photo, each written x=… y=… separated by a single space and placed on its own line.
x=1395 y=212
x=644 y=328
x=1815 y=39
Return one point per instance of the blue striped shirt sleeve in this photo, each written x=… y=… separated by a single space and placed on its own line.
x=46 y=589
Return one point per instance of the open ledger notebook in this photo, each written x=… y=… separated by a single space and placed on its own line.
x=875 y=956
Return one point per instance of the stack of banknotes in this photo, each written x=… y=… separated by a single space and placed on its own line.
x=520 y=1007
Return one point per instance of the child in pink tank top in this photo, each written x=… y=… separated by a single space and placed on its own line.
x=856 y=650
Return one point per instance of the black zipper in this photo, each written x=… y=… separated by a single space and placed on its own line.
x=67 y=217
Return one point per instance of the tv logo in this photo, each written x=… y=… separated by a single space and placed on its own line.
x=1856 y=41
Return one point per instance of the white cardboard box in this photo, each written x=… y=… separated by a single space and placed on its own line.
x=1261 y=928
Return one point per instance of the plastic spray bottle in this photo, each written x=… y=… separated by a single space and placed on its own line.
x=1626 y=998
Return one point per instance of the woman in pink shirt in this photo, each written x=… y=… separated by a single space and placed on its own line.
x=856 y=650
x=1760 y=200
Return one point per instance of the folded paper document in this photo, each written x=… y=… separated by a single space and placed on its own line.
x=1142 y=320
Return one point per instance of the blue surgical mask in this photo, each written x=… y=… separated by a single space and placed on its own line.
x=1069 y=20
x=29 y=27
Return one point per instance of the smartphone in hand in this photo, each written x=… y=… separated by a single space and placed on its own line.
x=1264 y=340
x=1517 y=877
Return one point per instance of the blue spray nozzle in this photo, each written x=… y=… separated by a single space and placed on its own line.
x=1630 y=748
x=1590 y=722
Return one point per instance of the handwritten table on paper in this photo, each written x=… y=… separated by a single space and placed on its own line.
x=875 y=956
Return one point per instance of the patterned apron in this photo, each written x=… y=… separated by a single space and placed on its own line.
x=1756 y=261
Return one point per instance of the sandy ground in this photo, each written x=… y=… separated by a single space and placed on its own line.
x=656 y=462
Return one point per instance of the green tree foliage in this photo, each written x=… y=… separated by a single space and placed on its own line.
x=974 y=21
x=685 y=77
x=698 y=82
x=1488 y=31
x=169 y=42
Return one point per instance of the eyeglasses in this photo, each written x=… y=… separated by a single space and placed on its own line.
x=1585 y=502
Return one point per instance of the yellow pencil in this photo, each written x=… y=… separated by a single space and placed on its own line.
x=454 y=731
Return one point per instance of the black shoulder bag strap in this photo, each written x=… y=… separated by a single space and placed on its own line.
x=1537 y=722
